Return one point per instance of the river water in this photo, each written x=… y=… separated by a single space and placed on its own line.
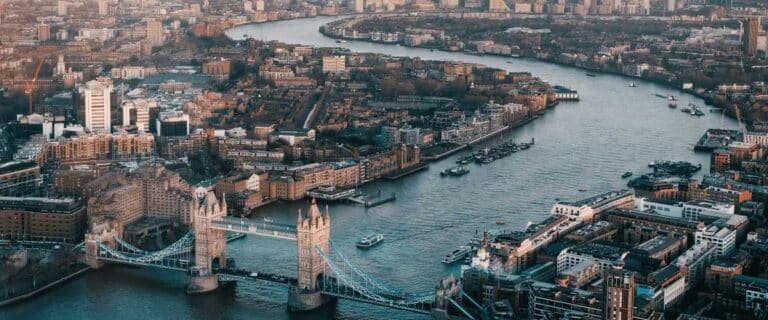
x=581 y=145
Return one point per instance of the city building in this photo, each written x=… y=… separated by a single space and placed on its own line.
x=604 y=254
x=155 y=36
x=43 y=32
x=619 y=292
x=19 y=178
x=694 y=262
x=755 y=293
x=588 y=209
x=334 y=64
x=136 y=112
x=32 y=218
x=172 y=124
x=96 y=112
x=749 y=35
x=722 y=238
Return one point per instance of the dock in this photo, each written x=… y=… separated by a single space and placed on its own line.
x=363 y=200
x=714 y=139
x=331 y=193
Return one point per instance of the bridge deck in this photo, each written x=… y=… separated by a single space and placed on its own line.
x=264 y=229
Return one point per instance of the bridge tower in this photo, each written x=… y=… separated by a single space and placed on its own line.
x=312 y=232
x=210 y=244
x=103 y=232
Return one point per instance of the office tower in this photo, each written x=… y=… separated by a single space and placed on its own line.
x=749 y=34
x=155 y=33
x=96 y=105
x=43 y=32
x=103 y=6
x=619 y=290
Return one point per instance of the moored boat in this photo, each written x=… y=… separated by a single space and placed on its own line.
x=457 y=254
x=626 y=175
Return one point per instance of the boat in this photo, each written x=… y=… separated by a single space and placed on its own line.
x=341 y=41
x=500 y=222
x=626 y=175
x=267 y=219
x=458 y=171
x=591 y=75
x=672 y=101
x=457 y=254
x=369 y=241
x=510 y=62
x=632 y=85
x=582 y=190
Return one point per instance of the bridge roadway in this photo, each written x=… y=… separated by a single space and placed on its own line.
x=251 y=275
x=264 y=229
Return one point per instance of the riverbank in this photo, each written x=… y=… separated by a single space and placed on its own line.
x=37 y=291
x=324 y=30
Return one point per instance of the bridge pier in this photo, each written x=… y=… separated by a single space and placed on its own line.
x=303 y=300
x=199 y=284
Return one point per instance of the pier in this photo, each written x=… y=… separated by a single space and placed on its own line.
x=364 y=200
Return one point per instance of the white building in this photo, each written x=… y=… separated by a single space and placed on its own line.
x=691 y=210
x=694 y=262
x=141 y=107
x=587 y=209
x=603 y=255
x=96 y=95
x=723 y=239
x=673 y=292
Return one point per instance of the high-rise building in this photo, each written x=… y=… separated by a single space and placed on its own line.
x=61 y=7
x=136 y=112
x=259 y=4
x=619 y=290
x=43 y=32
x=96 y=105
x=172 y=124
x=671 y=5
x=155 y=33
x=103 y=6
x=750 y=32
x=359 y=6
x=61 y=67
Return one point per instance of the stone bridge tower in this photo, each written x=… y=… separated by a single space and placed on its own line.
x=312 y=232
x=210 y=244
x=103 y=232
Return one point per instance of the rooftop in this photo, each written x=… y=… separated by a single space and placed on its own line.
x=599 y=200
x=600 y=250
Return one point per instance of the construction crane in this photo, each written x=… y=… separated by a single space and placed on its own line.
x=30 y=88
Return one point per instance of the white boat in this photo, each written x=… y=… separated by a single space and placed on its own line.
x=268 y=220
x=632 y=85
x=457 y=254
x=370 y=241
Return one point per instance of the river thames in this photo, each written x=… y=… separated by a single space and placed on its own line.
x=582 y=145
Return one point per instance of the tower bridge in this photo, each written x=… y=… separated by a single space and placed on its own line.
x=323 y=272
